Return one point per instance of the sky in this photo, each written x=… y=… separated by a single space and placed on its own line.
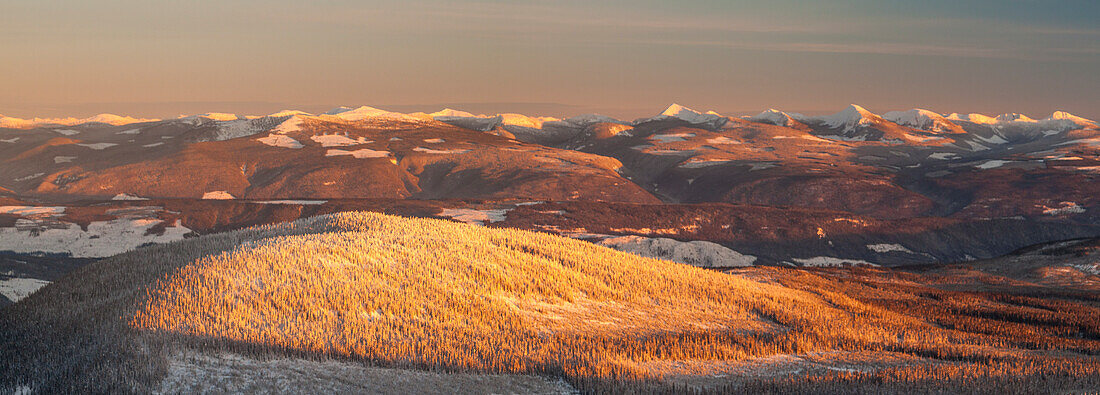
x=623 y=58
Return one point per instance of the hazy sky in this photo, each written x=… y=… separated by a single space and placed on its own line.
x=623 y=58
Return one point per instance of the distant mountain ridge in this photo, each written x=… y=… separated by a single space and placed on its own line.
x=854 y=114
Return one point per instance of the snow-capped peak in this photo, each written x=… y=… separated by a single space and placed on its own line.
x=589 y=119
x=850 y=118
x=110 y=119
x=922 y=119
x=448 y=112
x=1062 y=116
x=366 y=112
x=525 y=121
x=287 y=113
x=774 y=117
x=686 y=114
x=675 y=110
x=338 y=110
x=220 y=116
x=973 y=118
x=1014 y=117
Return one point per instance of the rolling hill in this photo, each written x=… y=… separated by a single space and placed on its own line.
x=404 y=293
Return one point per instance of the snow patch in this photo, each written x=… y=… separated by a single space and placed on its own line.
x=123 y=196
x=359 y=153
x=130 y=131
x=828 y=261
x=338 y=140
x=884 y=248
x=292 y=124
x=432 y=151
x=475 y=217
x=15 y=289
x=703 y=163
x=1066 y=208
x=671 y=137
x=434 y=141
x=153 y=144
x=992 y=164
x=303 y=202
x=63 y=159
x=943 y=155
x=217 y=195
x=103 y=238
x=695 y=253
x=29 y=177
x=98 y=146
x=26 y=211
x=722 y=140
x=280 y=140
x=67 y=132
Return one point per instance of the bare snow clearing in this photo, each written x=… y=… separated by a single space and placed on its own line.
x=15 y=289
x=98 y=146
x=363 y=153
x=338 y=140
x=280 y=140
x=475 y=217
x=217 y=195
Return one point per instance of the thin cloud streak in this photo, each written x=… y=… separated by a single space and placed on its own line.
x=884 y=48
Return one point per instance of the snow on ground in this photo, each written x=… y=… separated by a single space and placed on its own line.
x=18 y=288
x=280 y=140
x=304 y=202
x=670 y=152
x=994 y=139
x=194 y=372
x=1095 y=141
x=27 y=211
x=32 y=176
x=363 y=153
x=703 y=163
x=153 y=144
x=103 y=238
x=123 y=196
x=921 y=139
x=671 y=137
x=67 y=132
x=130 y=131
x=943 y=155
x=684 y=113
x=228 y=130
x=217 y=195
x=10 y=141
x=292 y=124
x=98 y=146
x=884 y=248
x=762 y=165
x=434 y=141
x=338 y=140
x=992 y=164
x=695 y=253
x=432 y=151
x=1067 y=208
x=830 y=261
x=475 y=217
x=722 y=140
x=63 y=159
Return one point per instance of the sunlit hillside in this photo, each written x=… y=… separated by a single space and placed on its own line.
x=440 y=295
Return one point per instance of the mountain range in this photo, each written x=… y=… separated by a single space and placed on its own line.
x=847 y=252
